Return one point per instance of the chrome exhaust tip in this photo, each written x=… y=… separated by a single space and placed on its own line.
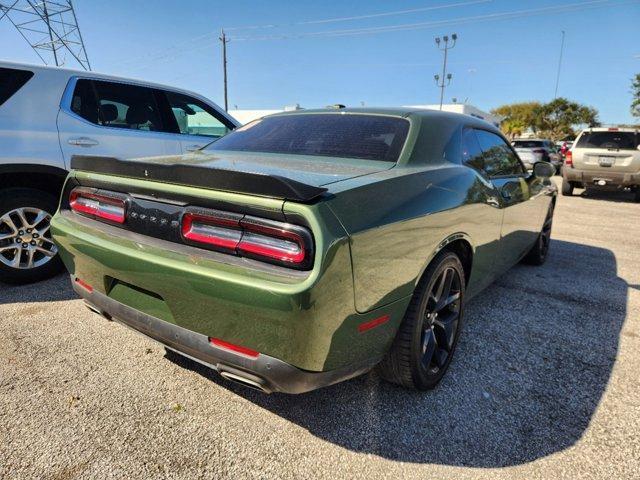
x=237 y=377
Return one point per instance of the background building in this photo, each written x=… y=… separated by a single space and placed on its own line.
x=245 y=116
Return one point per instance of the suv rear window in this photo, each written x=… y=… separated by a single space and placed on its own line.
x=367 y=137
x=527 y=144
x=614 y=140
x=12 y=80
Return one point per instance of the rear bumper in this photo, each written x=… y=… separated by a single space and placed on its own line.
x=591 y=177
x=266 y=373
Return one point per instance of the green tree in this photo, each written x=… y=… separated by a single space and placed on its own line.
x=635 y=92
x=518 y=117
x=558 y=118
x=555 y=120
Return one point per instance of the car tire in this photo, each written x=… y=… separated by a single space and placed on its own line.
x=424 y=344
x=33 y=205
x=540 y=250
x=636 y=197
x=567 y=188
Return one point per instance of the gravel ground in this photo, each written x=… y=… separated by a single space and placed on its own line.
x=544 y=385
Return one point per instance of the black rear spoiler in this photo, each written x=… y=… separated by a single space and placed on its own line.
x=273 y=186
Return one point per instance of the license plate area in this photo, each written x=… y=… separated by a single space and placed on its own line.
x=606 y=161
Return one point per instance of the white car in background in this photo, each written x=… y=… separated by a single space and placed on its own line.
x=48 y=114
x=532 y=150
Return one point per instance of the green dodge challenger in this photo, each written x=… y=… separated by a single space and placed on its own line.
x=304 y=249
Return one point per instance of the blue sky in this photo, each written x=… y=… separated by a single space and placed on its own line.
x=314 y=53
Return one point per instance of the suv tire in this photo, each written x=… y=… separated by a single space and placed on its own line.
x=567 y=188
x=428 y=335
x=33 y=206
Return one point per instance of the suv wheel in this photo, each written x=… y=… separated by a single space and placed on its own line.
x=567 y=187
x=27 y=253
x=427 y=337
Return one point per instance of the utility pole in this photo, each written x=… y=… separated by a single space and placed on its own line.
x=443 y=82
x=555 y=94
x=224 y=40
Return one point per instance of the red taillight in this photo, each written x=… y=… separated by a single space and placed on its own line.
x=97 y=205
x=568 y=158
x=84 y=285
x=269 y=241
x=221 y=230
x=247 y=236
x=233 y=348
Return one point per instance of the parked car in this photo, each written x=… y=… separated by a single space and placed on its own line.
x=604 y=158
x=302 y=249
x=49 y=114
x=536 y=150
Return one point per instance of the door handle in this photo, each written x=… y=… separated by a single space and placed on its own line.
x=493 y=201
x=193 y=148
x=82 y=142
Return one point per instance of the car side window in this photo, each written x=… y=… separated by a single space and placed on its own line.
x=497 y=156
x=195 y=117
x=471 y=151
x=117 y=105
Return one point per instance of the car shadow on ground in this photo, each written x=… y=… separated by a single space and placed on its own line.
x=619 y=196
x=55 y=289
x=533 y=362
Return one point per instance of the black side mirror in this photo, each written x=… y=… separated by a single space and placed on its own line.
x=544 y=170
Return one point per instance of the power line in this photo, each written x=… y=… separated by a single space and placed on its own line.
x=361 y=17
x=439 y=23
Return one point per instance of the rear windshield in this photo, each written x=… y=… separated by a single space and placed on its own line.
x=368 y=137
x=527 y=144
x=613 y=140
x=12 y=80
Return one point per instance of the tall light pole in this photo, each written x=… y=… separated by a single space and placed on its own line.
x=555 y=93
x=224 y=40
x=445 y=80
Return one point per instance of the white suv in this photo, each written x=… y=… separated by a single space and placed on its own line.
x=49 y=114
x=603 y=158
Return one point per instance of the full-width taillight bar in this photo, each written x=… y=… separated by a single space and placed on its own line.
x=253 y=237
x=98 y=205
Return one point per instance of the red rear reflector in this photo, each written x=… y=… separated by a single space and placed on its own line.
x=100 y=206
x=568 y=158
x=233 y=348
x=363 y=327
x=84 y=285
x=613 y=129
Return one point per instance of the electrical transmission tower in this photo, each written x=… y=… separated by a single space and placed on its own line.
x=50 y=27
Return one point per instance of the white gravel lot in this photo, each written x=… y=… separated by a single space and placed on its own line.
x=544 y=385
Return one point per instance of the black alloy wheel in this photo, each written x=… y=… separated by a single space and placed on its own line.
x=538 y=253
x=427 y=337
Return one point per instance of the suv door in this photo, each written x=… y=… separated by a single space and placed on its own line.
x=115 y=119
x=198 y=122
x=521 y=221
